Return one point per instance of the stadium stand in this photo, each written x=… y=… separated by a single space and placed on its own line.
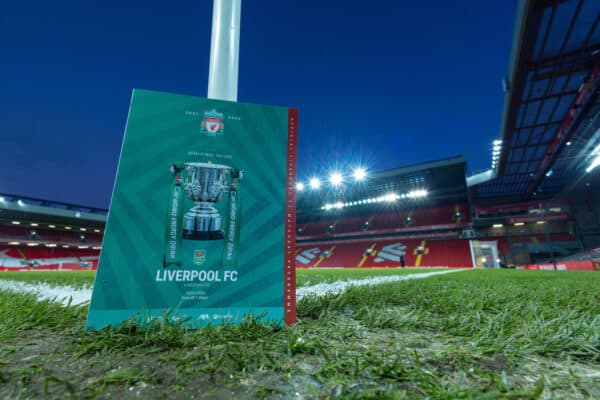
x=385 y=253
x=538 y=204
x=43 y=235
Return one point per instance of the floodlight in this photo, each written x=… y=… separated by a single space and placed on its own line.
x=568 y=143
x=83 y=247
x=20 y=202
x=417 y=193
x=16 y=223
x=328 y=206
x=2 y=199
x=497 y=142
x=51 y=226
x=335 y=178
x=33 y=224
x=519 y=223
x=50 y=244
x=315 y=183
x=496 y=148
x=32 y=244
x=497 y=225
x=594 y=164
x=97 y=230
x=299 y=186
x=390 y=197
x=14 y=243
x=359 y=174
x=338 y=205
x=67 y=227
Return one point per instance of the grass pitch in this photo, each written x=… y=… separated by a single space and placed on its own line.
x=75 y=279
x=475 y=334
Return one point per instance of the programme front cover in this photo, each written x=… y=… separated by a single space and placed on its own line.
x=202 y=218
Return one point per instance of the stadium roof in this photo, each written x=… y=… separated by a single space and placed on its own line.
x=13 y=207
x=551 y=117
x=444 y=181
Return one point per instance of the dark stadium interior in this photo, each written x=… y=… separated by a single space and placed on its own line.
x=538 y=202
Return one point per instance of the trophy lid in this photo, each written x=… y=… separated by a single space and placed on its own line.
x=207 y=165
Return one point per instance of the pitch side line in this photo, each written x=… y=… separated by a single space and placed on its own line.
x=338 y=287
x=69 y=295
x=45 y=291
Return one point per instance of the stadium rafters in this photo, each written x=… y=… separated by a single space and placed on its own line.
x=551 y=122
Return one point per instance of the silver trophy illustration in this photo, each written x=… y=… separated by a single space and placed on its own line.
x=205 y=184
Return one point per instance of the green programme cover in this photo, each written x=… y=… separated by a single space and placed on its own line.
x=202 y=216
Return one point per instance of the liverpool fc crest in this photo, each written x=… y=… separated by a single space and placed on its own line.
x=212 y=124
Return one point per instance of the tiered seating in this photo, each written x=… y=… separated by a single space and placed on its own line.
x=25 y=258
x=553 y=237
x=448 y=252
x=423 y=218
x=23 y=234
x=384 y=253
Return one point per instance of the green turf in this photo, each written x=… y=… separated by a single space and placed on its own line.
x=307 y=277
x=72 y=278
x=474 y=334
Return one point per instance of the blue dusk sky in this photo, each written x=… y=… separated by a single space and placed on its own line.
x=385 y=83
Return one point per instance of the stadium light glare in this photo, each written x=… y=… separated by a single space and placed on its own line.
x=336 y=179
x=97 y=230
x=32 y=244
x=52 y=226
x=359 y=174
x=497 y=225
x=338 y=205
x=416 y=194
x=314 y=183
x=497 y=148
x=2 y=200
x=50 y=244
x=20 y=203
x=299 y=186
x=497 y=142
x=68 y=228
x=568 y=143
x=593 y=164
x=540 y=222
x=390 y=197
x=14 y=243
x=65 y=246
x=83 y=247
x=16 y=223
x=33 y=224
x=96 y=247
x=519 y=223
x=82 y=229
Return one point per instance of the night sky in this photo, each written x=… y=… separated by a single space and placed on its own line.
x=383 y=83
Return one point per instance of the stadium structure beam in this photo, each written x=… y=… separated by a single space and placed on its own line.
x=526 y=26
x=564 y=132
x=224 y=50
x=550 y=96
